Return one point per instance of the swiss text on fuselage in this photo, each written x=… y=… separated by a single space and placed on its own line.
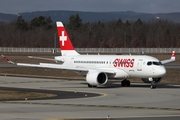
x=127 y=63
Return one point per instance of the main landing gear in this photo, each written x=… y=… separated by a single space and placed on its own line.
x=125 y=83
x=91 y=86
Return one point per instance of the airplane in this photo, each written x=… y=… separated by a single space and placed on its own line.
x=98 y=69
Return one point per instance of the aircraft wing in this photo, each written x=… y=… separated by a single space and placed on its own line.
x=64 y=67
x=58 y=66
x=173 y=58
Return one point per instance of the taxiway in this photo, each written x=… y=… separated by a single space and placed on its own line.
x=135 y=102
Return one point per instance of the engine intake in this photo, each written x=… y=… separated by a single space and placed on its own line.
x=96 y=78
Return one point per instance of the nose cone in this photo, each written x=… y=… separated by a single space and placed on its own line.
x=161 y=71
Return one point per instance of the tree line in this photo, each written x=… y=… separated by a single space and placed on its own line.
x=40 y=32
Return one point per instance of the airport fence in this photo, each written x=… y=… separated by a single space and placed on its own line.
x=93 y=50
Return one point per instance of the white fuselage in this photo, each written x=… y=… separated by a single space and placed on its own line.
x=124 y=66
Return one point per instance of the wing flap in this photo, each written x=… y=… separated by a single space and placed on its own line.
x=53 y=66
x=65 y=67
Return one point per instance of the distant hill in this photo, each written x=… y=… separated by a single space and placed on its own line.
x=61 y=15
x=7 y=17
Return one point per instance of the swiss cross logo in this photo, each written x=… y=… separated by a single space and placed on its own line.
x=63 y=38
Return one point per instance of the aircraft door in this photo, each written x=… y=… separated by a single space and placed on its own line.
x=72 y=61
x=139 y=65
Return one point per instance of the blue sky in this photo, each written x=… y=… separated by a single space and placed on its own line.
x=145 y=6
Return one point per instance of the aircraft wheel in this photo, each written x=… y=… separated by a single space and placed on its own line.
x=125 y=83
x=128 y=83
x=90 y=86
x=153 y=87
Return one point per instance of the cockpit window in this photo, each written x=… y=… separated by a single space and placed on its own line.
x=154 y=63
x=149 y=63
x=157 y=63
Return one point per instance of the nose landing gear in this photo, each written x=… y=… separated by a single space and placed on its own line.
x=153 y=86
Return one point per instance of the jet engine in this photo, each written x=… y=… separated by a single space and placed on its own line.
x=146 y=80
x=95 y=78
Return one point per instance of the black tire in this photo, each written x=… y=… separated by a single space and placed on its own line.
x=153 y=87
x=128 y=83
x=125 y=83
x=90 y=86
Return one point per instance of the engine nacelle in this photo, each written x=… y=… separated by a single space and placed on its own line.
x=146 y=80
x=95 y=78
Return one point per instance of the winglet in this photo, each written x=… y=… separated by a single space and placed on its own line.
x=173 y=56
x=9 y=61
